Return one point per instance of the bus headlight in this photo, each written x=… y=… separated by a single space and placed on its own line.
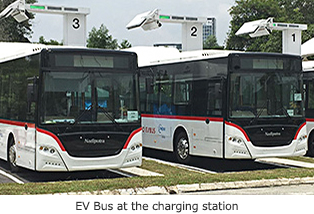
x=302 y=138
x=136 y=146
x=47 y=149
x=236 y=140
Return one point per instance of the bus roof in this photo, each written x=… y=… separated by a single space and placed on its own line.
x=307 y=48
x=308 y=65
x=148 y=56
x=14 y=50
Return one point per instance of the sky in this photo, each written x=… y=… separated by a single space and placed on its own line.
x=116 y=14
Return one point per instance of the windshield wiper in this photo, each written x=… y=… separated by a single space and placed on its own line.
x=285 y=111
x=110 y=117
x=259 y=113
x=76 y=119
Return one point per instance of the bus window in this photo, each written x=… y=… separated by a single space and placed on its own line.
x=214 y=99
x=182 y=89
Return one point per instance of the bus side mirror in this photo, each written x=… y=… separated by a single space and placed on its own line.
x=236 y=62
x=32 y=89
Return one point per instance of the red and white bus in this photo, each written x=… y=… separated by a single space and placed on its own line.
x=308 y=78
x=68 y=109
x=221 y=104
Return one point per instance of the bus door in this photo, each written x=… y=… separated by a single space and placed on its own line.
x=26 y=141
x=208 y=141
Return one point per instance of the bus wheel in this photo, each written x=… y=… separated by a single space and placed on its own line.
x=12 y=155
x=182 y=148
x=310 y=151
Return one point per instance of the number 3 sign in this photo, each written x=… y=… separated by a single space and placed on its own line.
x=75 y=29
x=76 y=23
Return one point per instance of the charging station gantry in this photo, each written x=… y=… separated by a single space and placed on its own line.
x=291 y=33
x=192 y=27
x=74 y=19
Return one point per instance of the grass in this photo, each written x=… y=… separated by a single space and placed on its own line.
x=302 y=158
x=172 y=176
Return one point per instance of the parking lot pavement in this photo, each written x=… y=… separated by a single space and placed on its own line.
x=286 y=162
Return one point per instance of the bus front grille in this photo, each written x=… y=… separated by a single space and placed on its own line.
x=271 y=136
x=93 y=144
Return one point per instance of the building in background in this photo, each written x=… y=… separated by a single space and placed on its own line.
x=209 y=28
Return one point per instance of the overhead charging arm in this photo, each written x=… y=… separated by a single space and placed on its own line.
x=192 y=27
x=74 y=19
x=16 y=10
x=291 y=36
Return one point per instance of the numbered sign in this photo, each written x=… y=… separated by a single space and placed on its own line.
x=291 y=41
x=74 y=30
x=192 y=36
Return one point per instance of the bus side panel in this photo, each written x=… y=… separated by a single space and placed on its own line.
x=157 y=133
x=4 y=136
x=310 y=133
x=25 y=144
x=309 y=126
x=24 y=140
x=206 y=139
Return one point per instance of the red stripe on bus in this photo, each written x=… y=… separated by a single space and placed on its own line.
x=310 y=119
x=17 y=123
x=241 y=129
x=215 y=119
x=53 y=136
x=296 y=135
x=131 y=136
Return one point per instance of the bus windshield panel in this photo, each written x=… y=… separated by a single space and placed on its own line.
x=89 y=87
x=270 y=94
x=88 y=97
x=265 y=87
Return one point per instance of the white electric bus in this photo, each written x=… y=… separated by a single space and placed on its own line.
x=68 y=109
x=308 y=78
x=221 y=104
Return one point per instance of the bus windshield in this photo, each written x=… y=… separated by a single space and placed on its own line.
x=265 y=94
x=88 y=97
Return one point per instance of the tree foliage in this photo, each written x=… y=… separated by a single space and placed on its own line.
x=50 y=42
x=289 y=11
x=125 y=44
x=211 y=43
x=101 y=39
x=10 y=29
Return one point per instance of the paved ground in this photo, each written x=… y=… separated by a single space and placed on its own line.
x=302 y=189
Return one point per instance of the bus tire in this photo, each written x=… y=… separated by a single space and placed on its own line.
x=12 y=155
x=310 y=150
x=182 y=148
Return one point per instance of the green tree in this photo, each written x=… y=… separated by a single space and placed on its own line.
x=10 y=29
x=211 y=43
x=101 y=39
x=51 y=42
x=291 y=11
x=125 y=44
